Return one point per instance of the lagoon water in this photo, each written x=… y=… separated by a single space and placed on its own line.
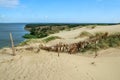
x=17 y=30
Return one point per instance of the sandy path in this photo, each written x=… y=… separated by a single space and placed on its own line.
x=48 y=66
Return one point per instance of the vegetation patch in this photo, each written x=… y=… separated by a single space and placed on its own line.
x=24 y=42
x=84 y=34
x=110 y=41
x=29 y=36
x=99 y=33
x=92 y=26
x=51 y=38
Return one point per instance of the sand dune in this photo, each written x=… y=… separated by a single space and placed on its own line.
x=28 y=65
x=48 y=66
x=69 y=36
x=73 y=33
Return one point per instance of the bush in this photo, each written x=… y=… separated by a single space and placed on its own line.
x=42 y=35
x=29 y=36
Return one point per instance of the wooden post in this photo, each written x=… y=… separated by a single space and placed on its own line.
x=95 y=49
x=12 y=44
x=58 y=49
x=58 y=53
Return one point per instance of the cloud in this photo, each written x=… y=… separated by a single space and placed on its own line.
x=46 y=17
x=2 y=16
x=9 y=3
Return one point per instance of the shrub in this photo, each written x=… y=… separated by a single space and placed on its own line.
x=42 y=35
x=29 y=36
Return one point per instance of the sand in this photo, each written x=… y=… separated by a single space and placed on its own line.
x=28 y=65
x=48 y=66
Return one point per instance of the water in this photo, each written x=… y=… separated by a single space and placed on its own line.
x=17 y=30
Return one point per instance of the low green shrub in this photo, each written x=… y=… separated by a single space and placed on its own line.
x=51 y=38
x=29 y=36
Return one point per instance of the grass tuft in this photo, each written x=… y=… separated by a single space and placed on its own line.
x=84 y=34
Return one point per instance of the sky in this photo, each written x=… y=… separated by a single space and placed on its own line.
x=59 y=11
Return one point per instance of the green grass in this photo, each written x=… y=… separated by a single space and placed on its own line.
x=24 y=42
x=51 y=38
x=93 y=27
x=84 y=34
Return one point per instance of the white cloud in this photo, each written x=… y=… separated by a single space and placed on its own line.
x=2 y=16
x=9 y=3
x=46 y=17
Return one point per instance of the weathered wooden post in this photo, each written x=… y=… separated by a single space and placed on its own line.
x=58 y=49
x=58 y=53
x=12 y=44
x=95 y=49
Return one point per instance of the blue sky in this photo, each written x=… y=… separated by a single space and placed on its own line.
x=60 y=11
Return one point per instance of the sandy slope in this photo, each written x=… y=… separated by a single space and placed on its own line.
x=73 y=33
x=48 y=66
x=69 y=36
x=28 y=65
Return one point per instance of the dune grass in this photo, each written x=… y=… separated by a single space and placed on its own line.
x=24 y=42
x=92 y=26
x=51 y=38
x=110 y=41
x=84 y=34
